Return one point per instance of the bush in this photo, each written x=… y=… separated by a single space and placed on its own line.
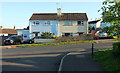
x=116 y=48
x=82 y=37
x=46 y=35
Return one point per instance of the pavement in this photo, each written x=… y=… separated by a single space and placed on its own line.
x=81 y=62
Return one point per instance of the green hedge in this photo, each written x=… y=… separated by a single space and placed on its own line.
x=116 y=48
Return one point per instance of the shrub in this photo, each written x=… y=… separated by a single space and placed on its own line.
x=116 y=48
x=82 y=37
x=46 y=35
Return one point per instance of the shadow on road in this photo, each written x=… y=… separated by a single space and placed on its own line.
x=33 y=62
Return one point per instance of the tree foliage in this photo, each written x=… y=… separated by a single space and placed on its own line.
x=111 y=13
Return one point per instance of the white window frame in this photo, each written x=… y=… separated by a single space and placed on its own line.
x=36 y=23
x=48 y=23
x=81 y=24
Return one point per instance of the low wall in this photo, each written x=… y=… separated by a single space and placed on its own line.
x=44 y=40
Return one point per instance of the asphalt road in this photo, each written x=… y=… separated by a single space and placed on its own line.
x=43 y=58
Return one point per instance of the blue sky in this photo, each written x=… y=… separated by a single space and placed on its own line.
x=18 y=13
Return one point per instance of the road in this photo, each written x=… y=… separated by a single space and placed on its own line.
x=43 y=58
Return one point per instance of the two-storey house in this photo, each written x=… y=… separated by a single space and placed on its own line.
x=60 y=24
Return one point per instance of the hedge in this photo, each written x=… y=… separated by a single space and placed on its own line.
x=116 y=48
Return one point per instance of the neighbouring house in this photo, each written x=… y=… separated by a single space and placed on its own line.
x=98 y=24
x=24 y=33
x=59 y=24
x=7 y=32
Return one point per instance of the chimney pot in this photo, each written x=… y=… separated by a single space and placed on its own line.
x=14 y=27
x=58 y=11
x=1 y=27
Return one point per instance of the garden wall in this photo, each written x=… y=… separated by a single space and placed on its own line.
x=40 y=40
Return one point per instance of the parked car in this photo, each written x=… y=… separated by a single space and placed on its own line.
x=14 y=40
x=103 y=35
x=30 y=41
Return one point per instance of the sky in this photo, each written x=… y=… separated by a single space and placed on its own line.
x=18 y=13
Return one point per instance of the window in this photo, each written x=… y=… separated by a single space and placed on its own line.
x=25 y=36
x=36 y=34
x=35 y=22
x=67 y=34
x=67 y=22
x=81 y=23
x=47 y=23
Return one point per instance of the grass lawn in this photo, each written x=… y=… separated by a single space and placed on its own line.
x=61 y=43
x=107 y=61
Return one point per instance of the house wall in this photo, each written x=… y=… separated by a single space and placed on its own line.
x=42 y=27
x=24 y=33
x=72 y=28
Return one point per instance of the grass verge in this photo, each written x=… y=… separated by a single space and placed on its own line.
x=107 y=61
x=2 y=45
x=61 y=43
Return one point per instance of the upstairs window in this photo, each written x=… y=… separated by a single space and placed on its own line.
x=81 y=23
x=67 y=23
x=36 y=23
x=47 y=23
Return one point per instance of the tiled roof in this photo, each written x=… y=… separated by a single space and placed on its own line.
x=54 y=16
x=8 y=31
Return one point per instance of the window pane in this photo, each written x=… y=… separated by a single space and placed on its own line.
x=81 y=23
x=48 y=22
x=33 y=22
x=67 y=22
x=37 y=22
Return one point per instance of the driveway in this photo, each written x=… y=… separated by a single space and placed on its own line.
x=43 y=58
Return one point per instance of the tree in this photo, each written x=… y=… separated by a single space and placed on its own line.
x=111 y=13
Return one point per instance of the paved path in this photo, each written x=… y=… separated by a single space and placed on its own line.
x=80 y=61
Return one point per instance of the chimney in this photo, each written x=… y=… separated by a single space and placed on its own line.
x=14 y=27
x=58 y=11
x=1 y=27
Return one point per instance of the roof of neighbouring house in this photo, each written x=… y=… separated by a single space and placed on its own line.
x=54 y=16
x=92 y=22
x=8 y=31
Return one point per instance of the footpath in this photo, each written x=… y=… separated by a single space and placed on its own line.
x=79 y=62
